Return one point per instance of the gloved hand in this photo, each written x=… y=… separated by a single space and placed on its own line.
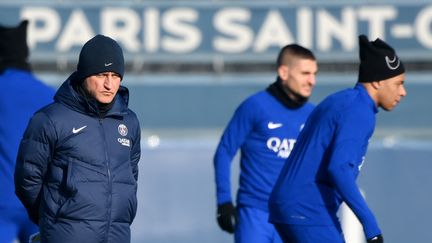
x=376 y=239
x=226 y=217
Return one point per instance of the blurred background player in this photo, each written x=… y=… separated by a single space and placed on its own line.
x=265 y=128
x=21 y=95
x=321 y=172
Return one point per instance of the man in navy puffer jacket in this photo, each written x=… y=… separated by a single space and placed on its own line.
x=77 y=165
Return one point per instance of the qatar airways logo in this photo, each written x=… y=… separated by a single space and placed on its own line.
x=282 y=147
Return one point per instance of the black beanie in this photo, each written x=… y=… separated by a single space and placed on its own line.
x=378 y=61
x=100 y=54
x=13 y=47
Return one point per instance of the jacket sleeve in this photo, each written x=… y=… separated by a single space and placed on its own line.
x=346 y=160
x=136 y=150
x=232 y=139
x=34 y=154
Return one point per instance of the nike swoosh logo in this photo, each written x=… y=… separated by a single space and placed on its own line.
x=108 y=64
x=272 y=125
x=301 y=127
x=78 y=130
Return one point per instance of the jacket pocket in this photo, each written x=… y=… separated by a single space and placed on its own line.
x=134 y=205
x=124 y=200
x=70 y=189
x=61 y=203
x=70 y=183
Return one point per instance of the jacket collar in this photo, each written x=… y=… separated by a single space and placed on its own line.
x=366 y=96
x=69 y=97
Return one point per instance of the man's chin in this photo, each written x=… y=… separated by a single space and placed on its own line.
x=306 y=94
x=105 y=101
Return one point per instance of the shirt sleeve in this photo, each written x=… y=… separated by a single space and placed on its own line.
x=349 y=149
x=232 y=139
x=34 y=154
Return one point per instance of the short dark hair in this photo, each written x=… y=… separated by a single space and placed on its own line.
x=293 y=50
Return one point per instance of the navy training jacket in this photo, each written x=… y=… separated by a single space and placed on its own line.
x=76 y=173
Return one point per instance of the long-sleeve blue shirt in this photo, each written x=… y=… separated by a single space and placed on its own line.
x=21 y=95
x=265 y=130
x=322 y=169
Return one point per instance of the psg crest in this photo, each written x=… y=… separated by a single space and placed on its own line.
x=122 y=129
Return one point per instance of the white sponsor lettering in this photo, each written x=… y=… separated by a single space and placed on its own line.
x=377 y=18
x=48 y=27
x=329 y=28
x=304 y=27
x=232 y=24
x=422 y=25
x=281 y=147
x=124 y=141
x=272 y=33
x=178 y=22
x=151 y=30
x=76 y=31
x=123 y=25
x=229 y=30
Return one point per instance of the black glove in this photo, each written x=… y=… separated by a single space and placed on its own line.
x=376 y=239
x=226 y=217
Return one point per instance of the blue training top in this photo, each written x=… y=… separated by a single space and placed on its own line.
x=322 y=169
x=265 y=130
x=21 y=95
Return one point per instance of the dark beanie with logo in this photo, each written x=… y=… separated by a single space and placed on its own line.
x=100 y=54
x=378 y=61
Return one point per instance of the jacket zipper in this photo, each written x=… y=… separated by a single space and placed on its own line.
x=109 y=181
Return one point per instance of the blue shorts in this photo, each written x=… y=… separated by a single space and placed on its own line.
x=15 y=224
x=310 y=233
x=253 y=226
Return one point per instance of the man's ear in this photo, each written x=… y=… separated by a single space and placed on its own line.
x=376 y=84
x=283 y=72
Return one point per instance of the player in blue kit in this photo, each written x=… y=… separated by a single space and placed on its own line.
x=21 y=95
x=322 y=169
x=265 y=128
